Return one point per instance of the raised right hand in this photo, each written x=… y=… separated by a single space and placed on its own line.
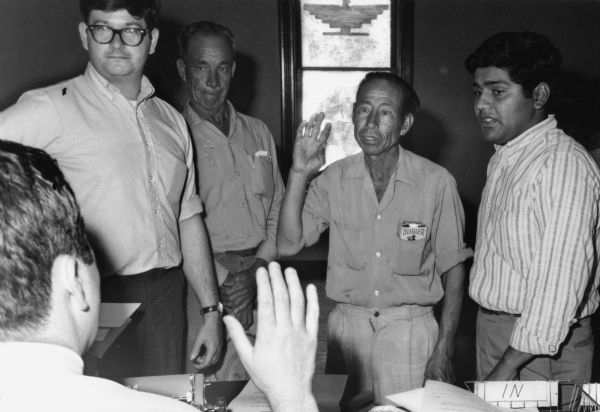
x=309 y=148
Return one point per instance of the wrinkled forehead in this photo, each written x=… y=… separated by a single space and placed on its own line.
x=380 y=90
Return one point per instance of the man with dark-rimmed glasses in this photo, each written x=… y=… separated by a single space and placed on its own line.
x=128 y=157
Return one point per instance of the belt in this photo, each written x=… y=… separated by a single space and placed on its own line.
x=499 y=313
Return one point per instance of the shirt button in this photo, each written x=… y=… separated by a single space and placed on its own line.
x=378 y=217
x=248 y=237
x=160 y=246
x=244 y=204
x=378 y=254
x=238 y=173
x=376 y=293
x=376 y=314
x=155 y=211
x=152 y=178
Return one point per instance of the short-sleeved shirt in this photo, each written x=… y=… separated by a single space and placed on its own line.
x=538 y=237
x=130 y=164
x=238 y=181
x=393 y=252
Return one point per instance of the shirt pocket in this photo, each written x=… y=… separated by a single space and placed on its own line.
x=262 y=175
x=350 y=247
x=409 y=259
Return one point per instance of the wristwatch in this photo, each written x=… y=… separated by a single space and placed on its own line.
x=214 y=308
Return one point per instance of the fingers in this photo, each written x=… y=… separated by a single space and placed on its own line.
x=312 y=310
x=266 y=319
x=240 y=341
x=312 y=128
x=296 y=297
x=281 y=300
x=314 y=125
x=325 y=133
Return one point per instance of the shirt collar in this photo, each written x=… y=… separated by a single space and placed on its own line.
x=111 y=91
x=404 y=171
x=194 y=119
x=527 y=137
x=30 y=356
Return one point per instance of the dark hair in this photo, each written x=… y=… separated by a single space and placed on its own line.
x=39 y=220
x=142 y=9
x=410 y=100
x=206 y=29
x=529 y=58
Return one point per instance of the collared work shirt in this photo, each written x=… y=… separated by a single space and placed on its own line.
x=43 y=377
x=239 y=182
x=537 y=237
x=372 y=263
x=130 y=165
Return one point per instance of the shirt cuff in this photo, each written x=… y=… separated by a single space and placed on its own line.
x=449 y=258
x=190 y=207
x=529 y=341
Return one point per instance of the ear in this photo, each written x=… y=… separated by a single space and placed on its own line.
x=540 y=95
x=66 y=272
x=407 y=124
x=181 y=69
x=83 y=35
x=153 y=40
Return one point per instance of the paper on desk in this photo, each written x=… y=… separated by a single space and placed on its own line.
x=113 y=315
x=250 y=399
x=443 y=397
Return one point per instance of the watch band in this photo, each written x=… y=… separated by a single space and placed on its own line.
x=214 y=308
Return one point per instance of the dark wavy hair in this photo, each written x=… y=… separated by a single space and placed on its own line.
x=39 y=220
x=206 y=29
x=529 y=58
x=142 y=9
x=410 y=100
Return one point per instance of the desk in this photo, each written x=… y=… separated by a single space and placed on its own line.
x=327 y=389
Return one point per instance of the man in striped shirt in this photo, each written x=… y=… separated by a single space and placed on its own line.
x=535 y=272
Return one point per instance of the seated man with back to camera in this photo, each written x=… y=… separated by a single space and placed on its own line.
x=50 y=296
x=50 y=291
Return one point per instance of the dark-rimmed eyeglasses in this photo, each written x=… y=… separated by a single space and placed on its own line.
x=103 y=34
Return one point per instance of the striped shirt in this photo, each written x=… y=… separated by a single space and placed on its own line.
x=537 y=233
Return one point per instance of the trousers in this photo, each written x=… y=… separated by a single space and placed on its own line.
x=153 y=343
x=572 y=362
x=383 y=351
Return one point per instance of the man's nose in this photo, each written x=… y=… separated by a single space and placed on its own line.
x=482 y=101
x=116 y=42
x=212 y=80
x=373 y=119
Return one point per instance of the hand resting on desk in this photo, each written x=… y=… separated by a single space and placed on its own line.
x=282 y=361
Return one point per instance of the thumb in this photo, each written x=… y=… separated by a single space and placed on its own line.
x=240 y=341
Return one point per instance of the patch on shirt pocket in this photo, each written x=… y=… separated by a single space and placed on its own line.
x=412 y=231
x=412 y=237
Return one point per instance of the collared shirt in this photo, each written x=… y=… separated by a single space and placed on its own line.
x=44 y=377
x=130 y=165
x=393 y=252
x=239 y=182
x=537 y=237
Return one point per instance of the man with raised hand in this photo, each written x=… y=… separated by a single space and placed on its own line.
x=282 y=361
x=395 y=244
x=128 y=156
x=50 y=296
